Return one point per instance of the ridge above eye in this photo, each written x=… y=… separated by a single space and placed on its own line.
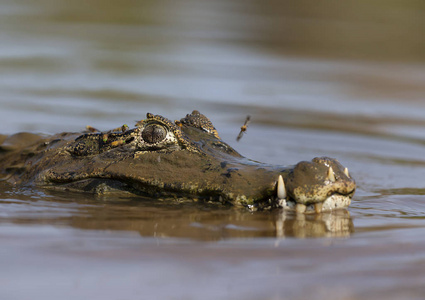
x=154 y=133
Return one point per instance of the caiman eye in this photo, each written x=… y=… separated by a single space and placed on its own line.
x=154 y=133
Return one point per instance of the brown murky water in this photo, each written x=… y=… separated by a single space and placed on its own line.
x=345 y=80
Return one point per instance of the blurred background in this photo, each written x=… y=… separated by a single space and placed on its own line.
x=66 y=63
x=356 y=66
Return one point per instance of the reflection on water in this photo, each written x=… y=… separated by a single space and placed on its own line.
x=335 y=224
x=166 y=218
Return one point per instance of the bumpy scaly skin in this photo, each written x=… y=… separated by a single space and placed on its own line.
x=198 y=120
x=160 y=158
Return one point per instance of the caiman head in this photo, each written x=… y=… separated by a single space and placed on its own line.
x=187 y=159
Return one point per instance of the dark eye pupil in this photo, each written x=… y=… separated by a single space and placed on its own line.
x=154 y=133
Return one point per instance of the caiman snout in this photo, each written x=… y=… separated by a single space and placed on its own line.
x=320 y=185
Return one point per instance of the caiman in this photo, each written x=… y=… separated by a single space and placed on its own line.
x=163 y=159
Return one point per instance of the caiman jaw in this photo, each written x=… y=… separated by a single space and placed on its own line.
x=334 y=201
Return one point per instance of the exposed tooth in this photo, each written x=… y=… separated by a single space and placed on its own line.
x=331 y=176
x=281 y=190
x=300 y=208
x=318 y=207
x=346 y=172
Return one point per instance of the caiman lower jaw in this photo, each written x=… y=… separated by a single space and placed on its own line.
x=335 y=201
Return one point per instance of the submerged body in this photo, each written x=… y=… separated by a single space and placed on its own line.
x=161 y=158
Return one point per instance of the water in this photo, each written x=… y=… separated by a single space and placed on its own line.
x=342 y=80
